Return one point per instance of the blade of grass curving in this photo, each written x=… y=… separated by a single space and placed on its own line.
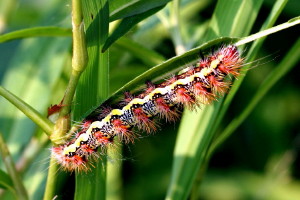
x=92 y=89
x=284 y=67
x=126 y=24
x=29 y=111
x=228 y=19
x=121 y=9
x=31 y=76
x=36 y=32
x=175 y=64
x=62 y=125
x=10 y=167
x=290 y=23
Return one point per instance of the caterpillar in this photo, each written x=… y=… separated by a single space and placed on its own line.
x=198 y=84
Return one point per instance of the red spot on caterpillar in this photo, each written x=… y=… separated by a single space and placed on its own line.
x=165 y=111
x=204 y=96
x=70 y=163
x=217 y=85
x=102 y=139
x=87 y=149
x=185 y=98
x=143 y=121
x=123 y=130
x=231 y=61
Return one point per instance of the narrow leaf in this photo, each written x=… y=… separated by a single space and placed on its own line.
x=126 y=24
x=191 y=146
x=36 y=32
x=120 y=9
x=5 y=181
x=29 y=111
x=166 y=68
x=92 y=88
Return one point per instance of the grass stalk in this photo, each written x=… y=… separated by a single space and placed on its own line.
x=45 y=124
x=79 y=63
x=11 y=169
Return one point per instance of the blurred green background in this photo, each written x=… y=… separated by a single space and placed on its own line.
x=259 y=161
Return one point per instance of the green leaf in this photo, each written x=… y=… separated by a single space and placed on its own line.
x=11 y=169
x=36 y=67
x=270 y=21
x=191 y=146
x=163 y=70
x=5 y=181
x=36 y=32
x=120 y=9
x=126 y=24
x=93 y=87
x=30 y=112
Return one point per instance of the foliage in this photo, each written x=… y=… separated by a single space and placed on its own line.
x=190 y=160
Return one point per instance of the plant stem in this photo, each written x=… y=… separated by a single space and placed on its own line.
x=79 y=63
x=11 y=169
x=51 y=180
x=45 y=124
x=269 y=31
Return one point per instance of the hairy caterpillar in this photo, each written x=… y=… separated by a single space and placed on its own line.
x=196 y=85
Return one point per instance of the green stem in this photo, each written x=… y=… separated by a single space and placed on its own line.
x=11 y=169
x=44 y=31
x=51 y=180
x=79 y=63
x=269 y=31
x=45 y=124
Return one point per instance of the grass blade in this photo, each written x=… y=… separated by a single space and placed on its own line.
x=120 y=9
x=193 y=142
x=126 y=24
x=93 y=87
x=30 y=112
x=36 y=32
x=277 y=8
x=10 y=166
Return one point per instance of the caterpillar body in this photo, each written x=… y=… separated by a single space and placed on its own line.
x=199 y=84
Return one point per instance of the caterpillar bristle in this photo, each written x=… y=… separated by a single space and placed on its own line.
x=198 y=84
